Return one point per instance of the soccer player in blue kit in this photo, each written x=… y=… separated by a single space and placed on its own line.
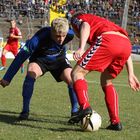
x=46 y=51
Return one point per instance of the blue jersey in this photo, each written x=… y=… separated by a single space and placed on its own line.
x=40 y=45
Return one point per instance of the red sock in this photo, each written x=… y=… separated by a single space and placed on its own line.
x=80 y=87
x=3 y=60
x=111 y=99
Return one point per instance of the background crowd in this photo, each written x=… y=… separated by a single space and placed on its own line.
x=36 y=13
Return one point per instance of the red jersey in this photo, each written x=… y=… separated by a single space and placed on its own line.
x=15 y=31
x=98 y=25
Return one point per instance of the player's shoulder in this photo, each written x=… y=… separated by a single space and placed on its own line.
x=16 y=28
x=44 y=30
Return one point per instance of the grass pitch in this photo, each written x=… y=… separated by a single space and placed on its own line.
x=50 y=110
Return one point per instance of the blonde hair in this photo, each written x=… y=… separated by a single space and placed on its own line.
x=60 y=25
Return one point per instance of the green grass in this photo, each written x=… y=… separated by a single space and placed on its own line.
x=50 y=110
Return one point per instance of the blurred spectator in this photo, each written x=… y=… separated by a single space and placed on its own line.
x=39 y=9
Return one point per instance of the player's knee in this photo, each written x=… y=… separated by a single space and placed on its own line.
x=77 y=75
x=32 y=74
x=73 y=74
x=34 y=70
x=105 y=82
x=69 y=81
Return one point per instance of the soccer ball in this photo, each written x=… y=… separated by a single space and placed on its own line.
x=91 y=122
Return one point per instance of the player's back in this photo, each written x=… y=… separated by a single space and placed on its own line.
x=98 y=25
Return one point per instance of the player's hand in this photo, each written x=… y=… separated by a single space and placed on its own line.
x=77 y=55
x=134 y=83
x=4 y=83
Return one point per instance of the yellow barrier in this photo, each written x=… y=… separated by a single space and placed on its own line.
x=55 y=14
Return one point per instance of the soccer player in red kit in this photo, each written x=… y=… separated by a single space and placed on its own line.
x=12 y=43
x=109 y=51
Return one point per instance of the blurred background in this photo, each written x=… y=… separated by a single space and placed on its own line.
x=31 y=15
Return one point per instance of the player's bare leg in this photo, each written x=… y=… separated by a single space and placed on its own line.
x=66 y=77
x=80 y=87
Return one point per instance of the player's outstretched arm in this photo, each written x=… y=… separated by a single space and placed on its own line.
x=16 y=64
x=132 y=79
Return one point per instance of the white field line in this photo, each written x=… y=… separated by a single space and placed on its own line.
x=118 y=83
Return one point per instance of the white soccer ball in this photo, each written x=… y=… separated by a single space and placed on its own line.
x=91 y=123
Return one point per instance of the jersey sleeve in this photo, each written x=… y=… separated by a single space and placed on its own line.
x=15 y=65
x=25 y=52
x=32 y=44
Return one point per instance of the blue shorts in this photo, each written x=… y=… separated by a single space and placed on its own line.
x=55 y=68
